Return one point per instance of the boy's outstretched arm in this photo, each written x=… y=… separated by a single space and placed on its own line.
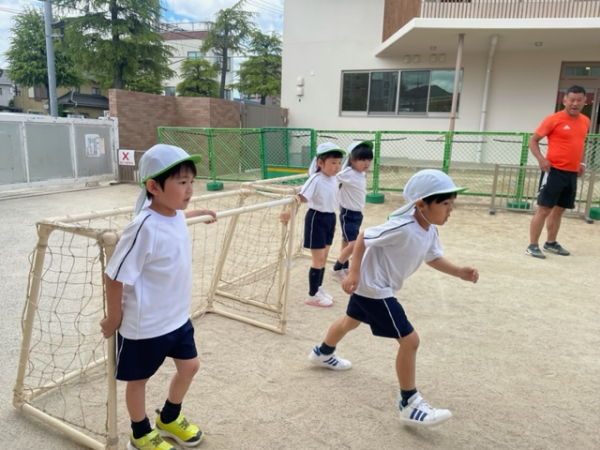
x=464 y=273
x=350 y=283
x=114 y=313
x=201 y=212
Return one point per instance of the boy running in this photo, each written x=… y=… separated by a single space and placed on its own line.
x=149 y=291
x=384 y=256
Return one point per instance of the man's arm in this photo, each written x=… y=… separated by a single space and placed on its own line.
x=464 y=273
x=114 y=313
x=350 y=283
x=534 y=146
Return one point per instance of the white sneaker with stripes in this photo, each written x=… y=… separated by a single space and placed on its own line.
x=332 y=361
x=418 y=413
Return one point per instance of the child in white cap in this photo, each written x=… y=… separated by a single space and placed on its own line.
x=320 y=192
x=148 y=292
x=353 y=190
x=384 y=256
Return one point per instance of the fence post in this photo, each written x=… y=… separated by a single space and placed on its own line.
x=263 y=154
x=213 y=185
x=448 y=136
x=375 y=196
x=519 y=203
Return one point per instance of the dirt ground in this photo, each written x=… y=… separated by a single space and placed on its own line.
x=516 y=357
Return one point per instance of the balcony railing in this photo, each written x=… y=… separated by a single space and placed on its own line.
x=398 y=13
x=509 y=9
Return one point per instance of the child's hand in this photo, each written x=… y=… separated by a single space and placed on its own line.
x=208 y=212
x=108 y=327
x=468 y=274
x=285 y=216
x=350 y=283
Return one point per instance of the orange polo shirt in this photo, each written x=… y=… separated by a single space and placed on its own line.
x=566 y=139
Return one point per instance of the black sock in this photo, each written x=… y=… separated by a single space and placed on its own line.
x=551 y=244
x=141 y=428
x=326 y=349
x=406 y=395
x=314 y=278
x=338 y=266
x=170 y=412
x=347 y=264
x=321 y=276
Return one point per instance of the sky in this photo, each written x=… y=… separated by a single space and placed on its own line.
x=270 y=16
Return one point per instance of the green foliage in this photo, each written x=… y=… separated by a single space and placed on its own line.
x=198 y=79
x=116 y=44
x=27 y=64
x=11 y=103
x=227 y=36
x=261 y=73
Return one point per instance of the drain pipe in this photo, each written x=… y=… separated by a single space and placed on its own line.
x=486 y=88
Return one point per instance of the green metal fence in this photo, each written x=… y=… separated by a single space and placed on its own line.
x=468 y=157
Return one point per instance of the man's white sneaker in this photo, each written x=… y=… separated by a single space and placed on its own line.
x=332 y=361
x=318 y=300
x=418 y=413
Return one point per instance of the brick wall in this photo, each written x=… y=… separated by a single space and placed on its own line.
x=141 y=114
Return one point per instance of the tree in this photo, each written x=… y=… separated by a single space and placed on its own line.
x=198 y=79
x=261 y=73
x=115 y=42
x=26 y=56
x=227 y=35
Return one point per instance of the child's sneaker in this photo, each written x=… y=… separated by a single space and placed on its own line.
x=340 y=275
x=181 y=430
x=318 y=300
x=332 y=361
x=150 y=441
x=325 y=293
x=420 y=414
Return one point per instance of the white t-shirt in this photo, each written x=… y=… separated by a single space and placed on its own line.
x=153 y=260
x=321 y=192
x=394 y=251
x=353 y=190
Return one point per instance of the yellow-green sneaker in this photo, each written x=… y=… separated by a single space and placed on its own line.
x=181 y=430
x=150 y=441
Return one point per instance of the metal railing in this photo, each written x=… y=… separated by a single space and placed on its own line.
x=509 y=9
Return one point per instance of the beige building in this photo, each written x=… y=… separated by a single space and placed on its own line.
x=391 y=64
x=88 y=101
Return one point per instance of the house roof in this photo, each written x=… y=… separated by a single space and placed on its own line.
x=78 y=99
x=5 y=80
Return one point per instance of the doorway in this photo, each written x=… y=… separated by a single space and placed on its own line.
x=586 y=75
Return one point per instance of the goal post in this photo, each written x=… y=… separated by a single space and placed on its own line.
x=241 y=270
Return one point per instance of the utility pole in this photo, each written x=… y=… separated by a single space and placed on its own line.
x=50 y=58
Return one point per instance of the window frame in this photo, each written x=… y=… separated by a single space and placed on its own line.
x=396 y=113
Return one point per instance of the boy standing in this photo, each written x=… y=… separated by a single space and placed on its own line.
x=384 y=256
x=149 y=290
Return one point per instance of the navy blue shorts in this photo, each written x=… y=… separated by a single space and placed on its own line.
x=385 y=316
x=319 y=228
x=557 y=188
x=140 y=359
x=350 y=222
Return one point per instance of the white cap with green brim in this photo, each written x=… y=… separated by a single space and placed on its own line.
x=323 y=148
x=352 y=146
x=423 y=184
x=157 y=160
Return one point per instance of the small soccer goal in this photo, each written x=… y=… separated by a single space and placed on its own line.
x=65 y=374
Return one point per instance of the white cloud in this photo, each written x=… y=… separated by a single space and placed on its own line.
x=7 y=12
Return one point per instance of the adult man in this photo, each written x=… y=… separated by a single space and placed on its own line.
x=562 y=165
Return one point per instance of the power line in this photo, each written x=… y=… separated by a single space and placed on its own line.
x=266 y=8
x=271 y=5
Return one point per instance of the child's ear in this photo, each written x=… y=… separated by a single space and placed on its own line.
x=420 y=205
x=152 y=187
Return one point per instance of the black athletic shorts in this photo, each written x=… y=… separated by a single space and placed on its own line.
x=557 y=188
x=319 y=228
x=385 y=316
x=350 y=222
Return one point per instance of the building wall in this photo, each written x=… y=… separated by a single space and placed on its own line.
x=346 y=34
x=6 y=94
x=27 y=102
x=141 y=114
